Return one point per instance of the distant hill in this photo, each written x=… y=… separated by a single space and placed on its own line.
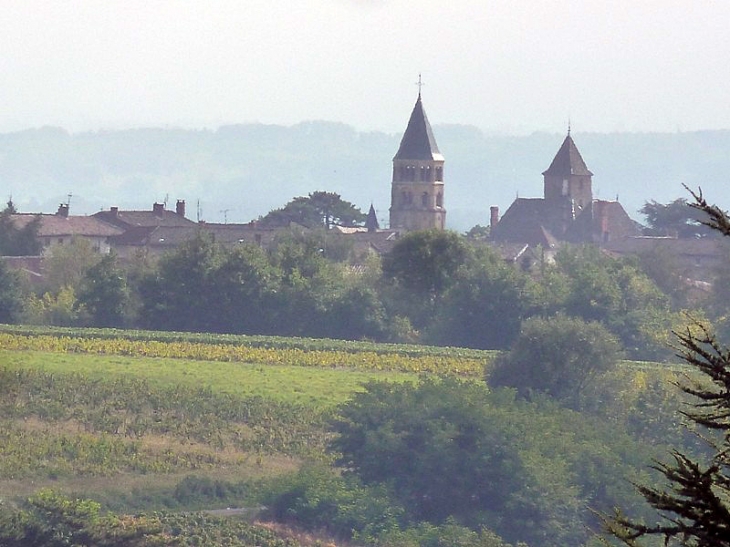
x=247 y=170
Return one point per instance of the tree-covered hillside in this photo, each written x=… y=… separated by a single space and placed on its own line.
x=248 y=170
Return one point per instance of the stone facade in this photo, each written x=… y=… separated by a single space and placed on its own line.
x=417 y=188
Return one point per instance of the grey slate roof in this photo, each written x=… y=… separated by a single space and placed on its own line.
x=418 y=142
x=567 y=161
x=371 y=223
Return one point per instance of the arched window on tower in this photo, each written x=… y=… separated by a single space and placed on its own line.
x=439 y=200
x=440 y=173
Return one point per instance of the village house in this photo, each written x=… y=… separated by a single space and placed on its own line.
x=61 y=228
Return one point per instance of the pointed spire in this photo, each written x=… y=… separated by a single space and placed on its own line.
x=418 y=142
x=568 y=160
x=371 y=223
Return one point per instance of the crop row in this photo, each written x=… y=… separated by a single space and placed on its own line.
x=131 y=407
x=254 y=341
x=363 y=360
x=25 y=453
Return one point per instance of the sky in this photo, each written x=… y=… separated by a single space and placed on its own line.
x=516 y=67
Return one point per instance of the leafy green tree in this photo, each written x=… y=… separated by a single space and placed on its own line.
x=453 y=452
x=202 y=286
x=16 y=241
x=61 y=309
x=246 y=287
x=675 y=218
x=66 y=265
x=180 y=294
x=318 y=209
x=103 y=293
x=11 y=300
x=695 y=506
x=434 y=444
x=49 y=519
x=615 y=293
x=425 y=261
x=485 y=305
x=558 y=356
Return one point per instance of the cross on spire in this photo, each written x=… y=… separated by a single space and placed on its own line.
x=420 y=84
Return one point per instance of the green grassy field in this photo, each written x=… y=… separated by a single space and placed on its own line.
x=321 y=387
x=106 y=425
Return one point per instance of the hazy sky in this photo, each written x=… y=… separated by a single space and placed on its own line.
x=518 y=65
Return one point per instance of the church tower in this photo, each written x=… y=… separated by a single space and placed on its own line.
x=568 y=178
x=417 y=190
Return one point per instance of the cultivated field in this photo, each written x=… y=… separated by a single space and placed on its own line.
x=123 y=414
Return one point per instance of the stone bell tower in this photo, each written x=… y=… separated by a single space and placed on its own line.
x=417 y=191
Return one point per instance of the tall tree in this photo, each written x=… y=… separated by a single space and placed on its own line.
x=484 y=306
x=675 y=218
x=695 y=507
x=103 y=293
x=18 y=241
x=11 y=303
x=318 y=209
x=425 y=261
x=558 y=356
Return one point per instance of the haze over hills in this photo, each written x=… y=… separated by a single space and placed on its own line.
x=240 y=172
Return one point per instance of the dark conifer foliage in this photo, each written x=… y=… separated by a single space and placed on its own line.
x=695 y=506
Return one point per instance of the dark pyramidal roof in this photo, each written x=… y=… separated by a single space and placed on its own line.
x=372 y=221
x=418 y=142
x=567 y=161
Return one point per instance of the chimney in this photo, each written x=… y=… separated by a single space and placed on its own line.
x=493 y=216
x=158 y=209
x=114 y=211
x=62 y=210
x=180 y=207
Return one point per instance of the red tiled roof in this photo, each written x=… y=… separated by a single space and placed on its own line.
x=57 y=225
x=127 y=219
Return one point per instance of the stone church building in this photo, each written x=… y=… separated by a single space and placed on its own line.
x=417 y=190
x=566 y=212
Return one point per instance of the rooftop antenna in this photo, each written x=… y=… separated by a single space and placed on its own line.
x=164 y=202
x=68 y=200
x=199 y=211
x=420 y=84
x=225 y=215
x=569 y=126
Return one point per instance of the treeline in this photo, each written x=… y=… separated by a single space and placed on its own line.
x=434 y=287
